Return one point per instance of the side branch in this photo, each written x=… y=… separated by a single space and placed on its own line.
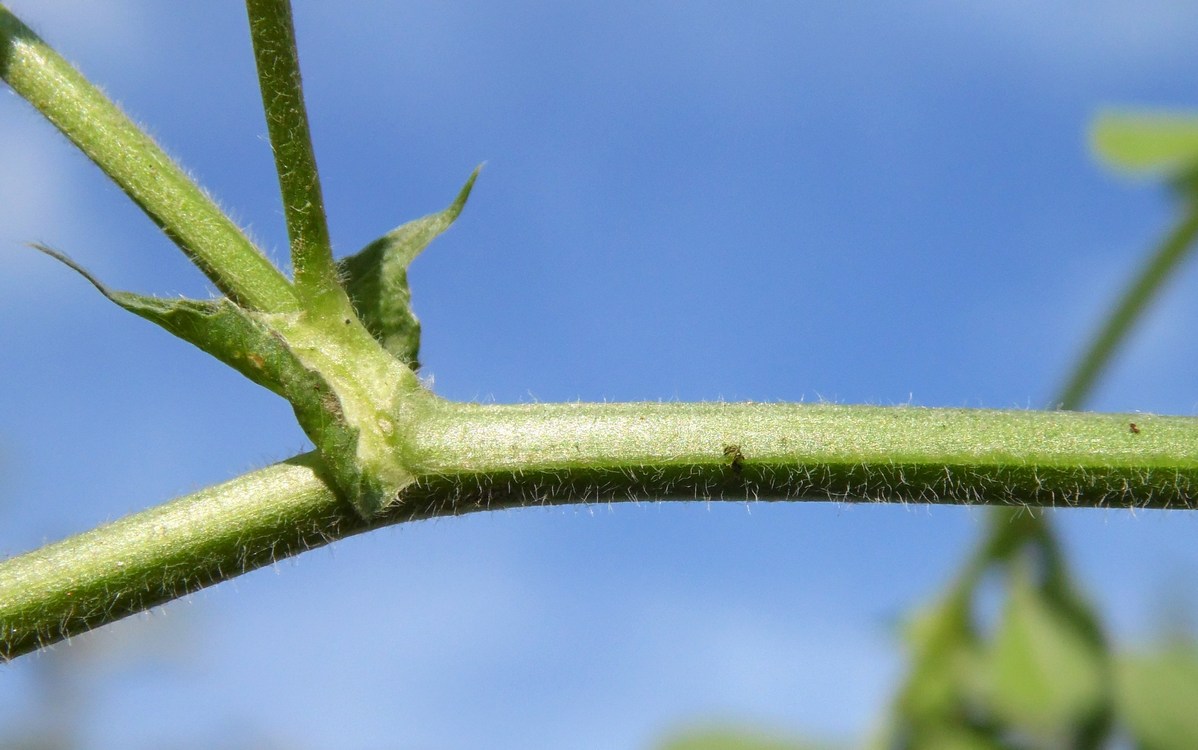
x=140 y=168
x=469 y=458
x=1164 y=263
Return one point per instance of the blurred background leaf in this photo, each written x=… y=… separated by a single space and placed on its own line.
x=1141 y=142
x=1158 y=696
x=726 y=738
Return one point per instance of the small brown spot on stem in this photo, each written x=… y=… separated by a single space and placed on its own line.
x=737 y=457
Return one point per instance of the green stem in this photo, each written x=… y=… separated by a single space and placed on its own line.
x=1007 y=527
x=469 y=458
x=273 y=34
x=132 y=159
x=1163 y=264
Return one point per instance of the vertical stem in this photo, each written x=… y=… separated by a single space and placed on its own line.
x=273 y=34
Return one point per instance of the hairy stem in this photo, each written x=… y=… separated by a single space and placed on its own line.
x=273 y=34
x=1156 y=270
x=143 y=170
x=468 y=458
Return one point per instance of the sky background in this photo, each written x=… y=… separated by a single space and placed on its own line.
x=883 y=203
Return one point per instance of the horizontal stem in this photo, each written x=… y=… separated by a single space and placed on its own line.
x=166 y=552
x=812 y=452
x=469 y=458
x=143 y=170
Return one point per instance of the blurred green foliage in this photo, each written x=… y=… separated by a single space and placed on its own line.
x=1039 y=674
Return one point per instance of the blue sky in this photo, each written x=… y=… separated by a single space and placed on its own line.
x=863 y=203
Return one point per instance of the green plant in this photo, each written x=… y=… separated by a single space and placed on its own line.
x=430 y=457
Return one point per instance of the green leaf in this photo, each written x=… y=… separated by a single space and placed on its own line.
x=945 y=653
x=1041 y=676
x=734 y=739
x=376 y=279
x=1045 y=673
x=1157 y=696
x=956 y=737
x=240 y=339
x=938 y=706
x=1147 y=142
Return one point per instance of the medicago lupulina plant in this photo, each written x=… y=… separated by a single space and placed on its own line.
x=339 y=341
